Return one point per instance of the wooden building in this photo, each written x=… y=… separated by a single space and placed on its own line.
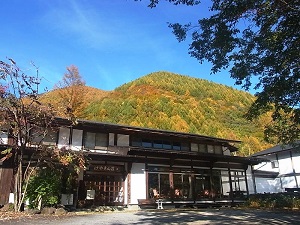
x=132 y=165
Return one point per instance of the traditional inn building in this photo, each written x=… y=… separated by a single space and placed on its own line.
x=132 y=165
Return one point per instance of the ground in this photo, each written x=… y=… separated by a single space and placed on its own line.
x=158 y=217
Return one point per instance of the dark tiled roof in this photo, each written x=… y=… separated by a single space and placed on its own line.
x=278 y=148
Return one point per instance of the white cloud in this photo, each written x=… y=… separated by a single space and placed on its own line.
x=79 y=23
x=107 y=26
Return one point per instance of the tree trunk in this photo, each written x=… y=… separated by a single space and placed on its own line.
x=18 y=187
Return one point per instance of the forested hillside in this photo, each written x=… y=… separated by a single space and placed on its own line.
x=170 y=101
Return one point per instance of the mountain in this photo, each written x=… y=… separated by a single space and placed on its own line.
x=169 y=101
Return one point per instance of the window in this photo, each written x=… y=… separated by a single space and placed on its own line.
x=101 y=140
x=135 y=141
x=210 y=149
x=203 y=148
x=76 y=139
x=38 y=137
x=167 y=145
x=123 y=140
x=64 y=137
x=89 y=140
x=95 y=140
x=218 y=149
x=194 y=147
x=274 y=164
x=185 y=146
x=146 y=143
x=157 y=144
x=176 y=146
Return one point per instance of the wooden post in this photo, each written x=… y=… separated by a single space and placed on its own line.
x=230 y=185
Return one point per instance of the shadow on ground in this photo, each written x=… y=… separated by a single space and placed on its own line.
x=218 y=217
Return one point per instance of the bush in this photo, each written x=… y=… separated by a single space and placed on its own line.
x=275 y=200
x=45 y=186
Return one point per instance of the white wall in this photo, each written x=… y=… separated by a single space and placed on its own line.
x=267 y=166
x=285 y=179
x=250 y=181
x=138 y=182
x=285 y=163
x=296 y=162
x=288 y=182
x=268 y=185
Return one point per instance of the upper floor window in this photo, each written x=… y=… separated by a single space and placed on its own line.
x=204 y=148
x=159 y=144
x=122 y=140
x=274 y=164
x=95 y=140
x=45 y=137
x=146 y=143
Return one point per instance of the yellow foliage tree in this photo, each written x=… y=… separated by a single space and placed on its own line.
x=71 y=92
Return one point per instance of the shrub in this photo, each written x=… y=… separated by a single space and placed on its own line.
x=44 y=186
x=274 y=200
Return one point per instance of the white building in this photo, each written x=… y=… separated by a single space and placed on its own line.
x=280 y=172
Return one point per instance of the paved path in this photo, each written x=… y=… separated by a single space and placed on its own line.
x=182 y=217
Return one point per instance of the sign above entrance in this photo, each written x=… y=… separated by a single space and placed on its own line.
x=108 y=168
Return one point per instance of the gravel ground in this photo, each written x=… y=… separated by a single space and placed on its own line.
x=159 y=217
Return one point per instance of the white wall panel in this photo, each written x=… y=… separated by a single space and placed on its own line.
x=288 y=182
x=296 y=163
x=250 y=181
x=265 y=185
x=285 y=164
x=138 y=182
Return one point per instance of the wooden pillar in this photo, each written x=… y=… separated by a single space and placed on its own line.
x=211 y=191
x=294 y=171
x=230 y=185
x=147 y=180
x=129 y=166
x=253 y=180
x=246 y=182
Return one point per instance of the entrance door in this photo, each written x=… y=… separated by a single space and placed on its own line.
x=108 y=189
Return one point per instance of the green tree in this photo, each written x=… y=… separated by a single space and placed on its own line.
x=44 y=188
x=258 y=41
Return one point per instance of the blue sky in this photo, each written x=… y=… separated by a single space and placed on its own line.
x=112 y=42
